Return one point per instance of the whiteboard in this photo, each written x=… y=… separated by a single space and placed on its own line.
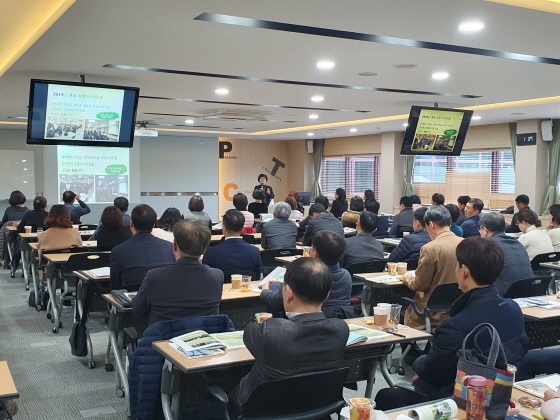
x=17 y=172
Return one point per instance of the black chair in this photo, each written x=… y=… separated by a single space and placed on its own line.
x=544 y=258
x=250 y=239
x=87 y=227
x=403 y=229
x=268 y=258
x=535 y=286
x=227 y=276
x=310 y=396
x=373 y=266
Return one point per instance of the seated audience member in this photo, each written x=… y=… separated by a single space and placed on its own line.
x=410 y=245
x=516 y=266
x=479 y=261
x=280 y=232
x=234 y=255
x=462 y=201
x=534 y=240
x=258 y=207
x=436 y=265
x=403 y=221
x=455 y=213
x=318 y=200
x=369 y=196
x=552 y=229
x=131 y=260
x=320 y=220
x=112 y=233
x=185 y=288
x=61 y=234
x=438 y=199
x=296 y=195
x=17 y=208
x=36 y=217
x=339 y=204
x=416 y=202
x=76 y=213
x=240 y=203
x=383 y=226
x=306 y=342
x=164 y=226
x=327 y=247
x=363 y=246
x=295 y=214
x=521 y=202
x=472 y=213
x=122 y=204
x=195 y=213
x=352 y=215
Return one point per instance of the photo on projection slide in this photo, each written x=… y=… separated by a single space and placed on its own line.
x=65 y=128
x=80 y=184
x=109 y=187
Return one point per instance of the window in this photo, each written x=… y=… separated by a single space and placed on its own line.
x=354 y=174
x=487 y=175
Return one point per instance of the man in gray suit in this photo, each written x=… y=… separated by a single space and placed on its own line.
x=321 y=220
x=363 y=247
x=516 y=266
x=306 y=342
x=403 y=221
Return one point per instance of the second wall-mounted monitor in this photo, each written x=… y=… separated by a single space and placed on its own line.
x=435 y=131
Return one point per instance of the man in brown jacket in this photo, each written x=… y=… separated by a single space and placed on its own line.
x=436 y=265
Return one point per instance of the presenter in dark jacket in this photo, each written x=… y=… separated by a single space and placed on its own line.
x=269 y=193
x=280 y=232
x=112 y=231
x=327 y=247
x=76 y=213
x=131 y=260
x=516 y=265
x=363 y=246
x=403 y=221
x=479 y=263
x=36 y=217
x=472 y=213
x=320 y=220
x=185 y=288
x=339 y=204
x=409 y=247
x=234 y=255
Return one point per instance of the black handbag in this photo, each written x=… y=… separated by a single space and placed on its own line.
x=78 y=338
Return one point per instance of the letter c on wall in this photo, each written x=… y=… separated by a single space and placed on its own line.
x=227 y=195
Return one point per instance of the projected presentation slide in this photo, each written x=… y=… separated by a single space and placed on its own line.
x=97 y=174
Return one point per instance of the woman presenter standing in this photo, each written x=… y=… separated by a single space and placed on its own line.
x=263 y=179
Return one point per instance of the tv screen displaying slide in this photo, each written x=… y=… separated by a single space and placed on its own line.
x=81 y=114
x=97 y=174
x=435 y=131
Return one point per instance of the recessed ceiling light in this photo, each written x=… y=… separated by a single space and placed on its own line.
x=189 y=121
x=476 y=117
x=325 y=64
x=366 y=74
x=310 y=134
x=24 y=160
x=405 y=66
x=471 y=26
x=313 y=116
x=353 y=130
x=440 y=75
x=317 y=98
x=222 y=91
x=405 y=125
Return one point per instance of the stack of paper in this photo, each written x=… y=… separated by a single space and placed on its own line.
x=100 y=272
x=531 y=302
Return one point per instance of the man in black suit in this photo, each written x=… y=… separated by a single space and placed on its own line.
x=186 y=288
x=234 y=255
x=321 y=220
x=76 y=213
x=306 y=342
x=362 y=247
x=131 y=260
x=403 y=221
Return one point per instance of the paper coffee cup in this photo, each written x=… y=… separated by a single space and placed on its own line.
x=380 y=315
x=27 y=229
x=236 y=280
x=401 y=268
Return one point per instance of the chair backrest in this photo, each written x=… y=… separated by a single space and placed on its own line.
x=88 y=261
x=443 y=297
x=403 y=229
x=268 y=257
x=87 y=227
x=535 y=286
x=411 y=264
x=373 y=266
x=250 y=239
x=542 y=258
x=227 y=276
x=293 y=397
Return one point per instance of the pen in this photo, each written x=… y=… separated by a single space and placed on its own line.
x=403 y=336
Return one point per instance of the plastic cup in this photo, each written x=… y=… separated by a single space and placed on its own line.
x=392 y=269
x=27 y=229
x=405 y=234
x=380 y=314
x=245 y=283
x=361 y=408
x=393 y=318
x=401 y=268
x=262 y=316
x=236 y=280
x=556 y=284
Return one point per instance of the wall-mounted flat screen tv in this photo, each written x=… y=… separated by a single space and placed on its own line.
x=81 y=114
x=435 y=131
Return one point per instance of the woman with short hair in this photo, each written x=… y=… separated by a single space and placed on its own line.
x=295 y=214
x=196 y=205
x=112 y=232
x=17 y=208
x=351 y=216
x=267 y=189
x=240 y=203
x=61 y=234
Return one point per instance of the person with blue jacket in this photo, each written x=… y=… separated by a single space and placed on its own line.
x=409 y=247
x=472 y=212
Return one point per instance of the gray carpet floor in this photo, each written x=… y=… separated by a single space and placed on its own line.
x=53 y=384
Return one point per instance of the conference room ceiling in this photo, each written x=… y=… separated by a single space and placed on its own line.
x=179 y=53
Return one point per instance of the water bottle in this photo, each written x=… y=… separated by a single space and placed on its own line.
x=39 y=232
x=476 y=398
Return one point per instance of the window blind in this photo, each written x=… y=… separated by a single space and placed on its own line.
x=488 y=175
x=355 y=174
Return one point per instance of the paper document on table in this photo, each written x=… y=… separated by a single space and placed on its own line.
x=232 y=340
x=276 y=275
x=358 y=334
x=195 y=354
x=538 y=386
x=100 y=272
x=531 y=302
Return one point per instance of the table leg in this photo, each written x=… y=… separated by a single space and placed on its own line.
x=35 y=277
x=385 y=371
x=52 y=295
x=115 y=335
x=170 y=391
x=371 y=377
x=25 y=262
